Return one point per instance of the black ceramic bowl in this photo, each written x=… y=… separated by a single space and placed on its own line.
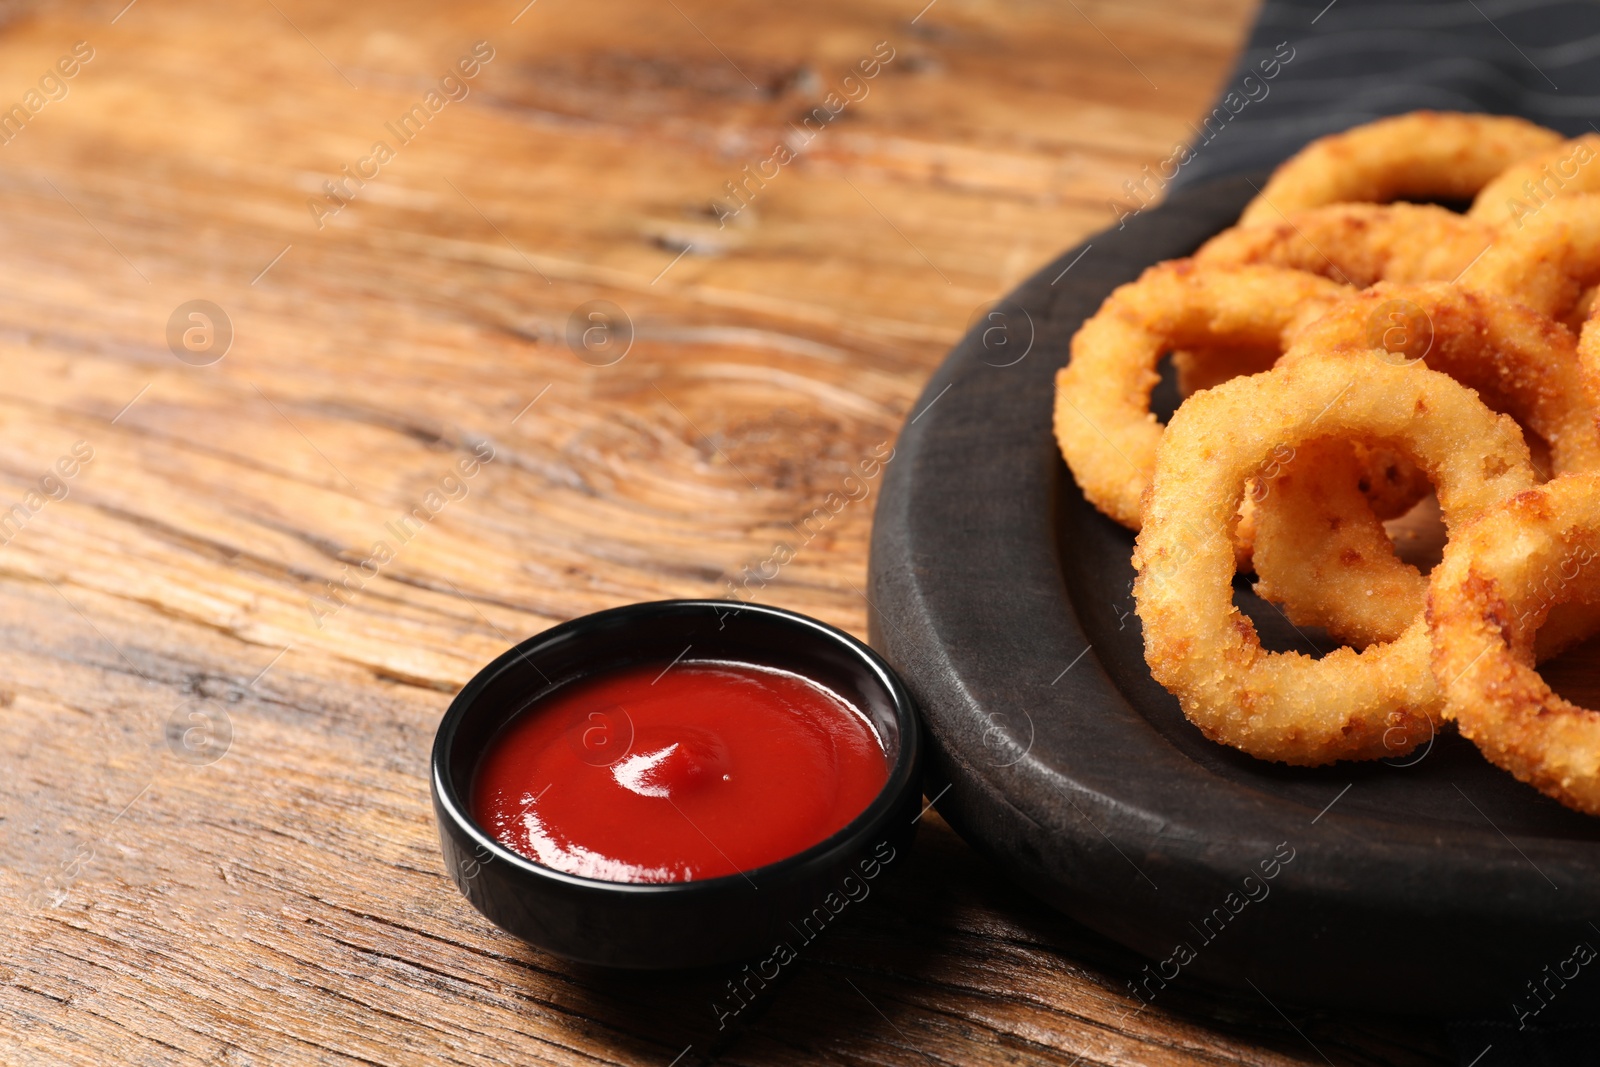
x=676 y=924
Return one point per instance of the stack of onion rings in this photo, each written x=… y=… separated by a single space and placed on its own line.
x=1338 y=353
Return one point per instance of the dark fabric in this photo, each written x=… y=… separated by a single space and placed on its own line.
x=1313 y=68
x=1357 y=60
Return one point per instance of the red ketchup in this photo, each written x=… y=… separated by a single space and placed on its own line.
x=660 y=773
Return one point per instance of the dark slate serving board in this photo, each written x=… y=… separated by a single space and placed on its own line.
x=1435 y=882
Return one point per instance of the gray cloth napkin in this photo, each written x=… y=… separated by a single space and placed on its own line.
x=1341 y=64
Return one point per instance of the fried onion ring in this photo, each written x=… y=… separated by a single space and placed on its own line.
x=1319 y=550
x=1287 y=706
x=1103 y=422
x=1494 y=589
x=1523 y=188
x=1424 y=155
x=1391 y=484
x=1358 y=244
x=1321 y=553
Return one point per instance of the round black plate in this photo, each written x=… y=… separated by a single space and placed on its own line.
x=1435 y=882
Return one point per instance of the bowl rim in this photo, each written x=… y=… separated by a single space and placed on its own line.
x=901 y=775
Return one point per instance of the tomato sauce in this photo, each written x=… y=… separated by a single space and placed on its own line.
x=676 y=773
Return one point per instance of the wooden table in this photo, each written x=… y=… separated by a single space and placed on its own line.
x=218 y=845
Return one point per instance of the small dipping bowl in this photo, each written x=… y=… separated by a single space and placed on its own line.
x=678 y=924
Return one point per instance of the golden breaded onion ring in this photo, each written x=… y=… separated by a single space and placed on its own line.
x=1487 y=599
x=1549 y=262
x=1523 y=188
x=1103 y=422
x=1287 y=706
x=1386 y=482
x=1424 y=155
x=1358 y=244
x=1322 y=554
x=1319 y=549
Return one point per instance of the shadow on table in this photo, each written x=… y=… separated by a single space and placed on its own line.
x=949 y=962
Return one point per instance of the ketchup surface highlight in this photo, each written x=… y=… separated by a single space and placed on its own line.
x=676 y=773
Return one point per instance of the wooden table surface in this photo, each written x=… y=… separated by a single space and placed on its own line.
x=217 y=709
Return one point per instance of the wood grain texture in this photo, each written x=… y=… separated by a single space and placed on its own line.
x=285 y=903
